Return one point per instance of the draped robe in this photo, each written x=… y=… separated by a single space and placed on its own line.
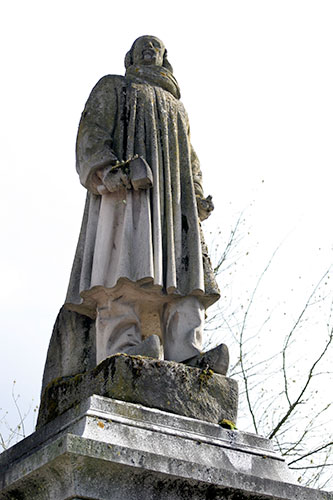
x=150 y=238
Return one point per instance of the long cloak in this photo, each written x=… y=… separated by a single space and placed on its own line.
x=150 y=238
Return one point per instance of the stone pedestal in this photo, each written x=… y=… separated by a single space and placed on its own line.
x=104 y=449
x=165 y=385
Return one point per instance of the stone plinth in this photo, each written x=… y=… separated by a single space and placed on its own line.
x=165 y=385
x=107 y=449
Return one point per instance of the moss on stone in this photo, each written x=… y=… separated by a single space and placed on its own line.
x=228 y=424
x=205 y=376
x=165 y=385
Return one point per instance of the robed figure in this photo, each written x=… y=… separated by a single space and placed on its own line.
x=141 y=267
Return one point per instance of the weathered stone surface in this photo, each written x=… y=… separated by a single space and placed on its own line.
x=105 y=449
x=72 y=347
x=150 y=347
x=164 y=385
x=216 y=359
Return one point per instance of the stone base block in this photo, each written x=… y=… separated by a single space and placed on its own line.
x=165 y=385
x=107 y=449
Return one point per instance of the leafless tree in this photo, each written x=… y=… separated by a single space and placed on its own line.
x=12 y=433
x=283 y=377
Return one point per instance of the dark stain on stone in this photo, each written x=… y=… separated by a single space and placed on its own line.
x=185 y=261
x=184 y=223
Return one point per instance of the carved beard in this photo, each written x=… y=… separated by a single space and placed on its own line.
x=154 y=75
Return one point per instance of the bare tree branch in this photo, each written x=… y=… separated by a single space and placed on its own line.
x=229 y=246
x=311 y=466
x=241 y=340
x=304 y=388
x=313 y=452
x=290 y=334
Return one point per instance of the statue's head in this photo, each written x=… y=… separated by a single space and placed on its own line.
x=149 y=51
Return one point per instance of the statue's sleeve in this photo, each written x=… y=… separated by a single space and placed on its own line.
x=204 y=205
x=195 y=164
x=196 y=173
x=94 y=139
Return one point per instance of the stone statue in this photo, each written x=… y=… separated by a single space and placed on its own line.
x=131 y=326
x=141 y=266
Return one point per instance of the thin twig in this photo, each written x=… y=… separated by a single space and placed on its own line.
x=313 y=452
x=18 y=411
x=290 y=334
x=300 y=396
x=241 y=343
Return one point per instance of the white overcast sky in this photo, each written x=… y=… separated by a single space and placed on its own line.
x=257 y=81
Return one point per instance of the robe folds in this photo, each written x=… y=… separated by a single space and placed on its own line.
x=150 y=238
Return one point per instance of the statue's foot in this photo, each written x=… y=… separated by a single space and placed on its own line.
x=216 y=359
x=150 y=347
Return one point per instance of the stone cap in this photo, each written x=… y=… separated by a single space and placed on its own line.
x=104 y=449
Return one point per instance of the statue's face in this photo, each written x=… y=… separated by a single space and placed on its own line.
x=148 y=50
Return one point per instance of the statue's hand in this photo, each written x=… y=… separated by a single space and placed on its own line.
x=102 y=189
x=140 y=174
x=113 y=179
x=134 y=173
x=205 y=207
